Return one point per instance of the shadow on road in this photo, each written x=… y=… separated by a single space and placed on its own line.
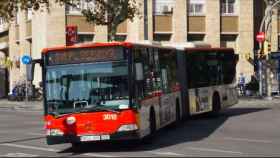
x=194 y=129
x=22 y=140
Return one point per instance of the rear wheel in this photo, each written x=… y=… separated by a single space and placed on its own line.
x=178 y=113
x=216 y=103
x=152 y=123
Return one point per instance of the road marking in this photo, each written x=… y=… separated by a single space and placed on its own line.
x=29 y=147
x=50 y=149
x=18 y=155
x=97 y=155
x=35 y=134
x=166 y=153
x=249 y=140
x=214 y=150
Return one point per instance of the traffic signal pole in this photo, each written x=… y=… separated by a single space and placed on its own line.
x=260 y=77
x=264 y=64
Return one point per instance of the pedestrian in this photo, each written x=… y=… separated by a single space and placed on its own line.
x=241 y=84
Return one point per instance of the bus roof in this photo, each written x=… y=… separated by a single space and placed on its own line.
x=187 y=46
x=184 y=45
x=190 y=47
x=104 y=44
x=86 y=45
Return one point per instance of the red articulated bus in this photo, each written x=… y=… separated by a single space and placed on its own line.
x=122 y=90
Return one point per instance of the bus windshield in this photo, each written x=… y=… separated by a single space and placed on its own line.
x=75 y=87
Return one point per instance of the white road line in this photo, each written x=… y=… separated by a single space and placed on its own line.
x=35 y=134
x=97 y=155
x=249 y=140
x=50 y=149
x=214 y=150
x=18 y=155
x=29 y=147
x=166 y=153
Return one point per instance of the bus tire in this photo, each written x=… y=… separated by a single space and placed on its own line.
x=216 y=103
x=152 y=120
x=76 y=146
x=178 y=112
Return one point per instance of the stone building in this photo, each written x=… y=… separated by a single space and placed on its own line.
x=4 y=54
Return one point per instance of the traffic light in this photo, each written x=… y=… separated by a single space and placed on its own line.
x=247 y=56
x=267 y=48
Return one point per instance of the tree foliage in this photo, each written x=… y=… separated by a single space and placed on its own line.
x=105 y=12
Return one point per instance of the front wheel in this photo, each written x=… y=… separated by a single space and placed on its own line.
x=149 y=139
x=76 y=146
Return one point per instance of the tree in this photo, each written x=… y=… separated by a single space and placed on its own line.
x=105 y=12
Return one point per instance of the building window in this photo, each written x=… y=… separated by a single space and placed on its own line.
x=196 y=7
x=2 y=21
x=162 y=7
x=228 y=7
x=17 y=18
x=278 y=43
x=120 y=38
x=228 y=41
x=195 y=37
x=162 y=37
x=29 y=14
x=80 y=6
x=85 y=38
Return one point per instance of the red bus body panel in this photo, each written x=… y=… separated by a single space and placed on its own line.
x=94 y=123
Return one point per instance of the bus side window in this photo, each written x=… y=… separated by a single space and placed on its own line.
x=139 y=84
x=168 y=66
x=148 y=85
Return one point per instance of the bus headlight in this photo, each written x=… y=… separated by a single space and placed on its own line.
x=70 y=120
x=54 y=132
x=129 y=127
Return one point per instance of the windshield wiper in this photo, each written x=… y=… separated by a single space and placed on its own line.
x=98 y=108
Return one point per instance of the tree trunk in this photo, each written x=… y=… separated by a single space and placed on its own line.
x=112 y=31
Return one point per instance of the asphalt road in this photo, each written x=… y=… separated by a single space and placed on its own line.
x=250 y=128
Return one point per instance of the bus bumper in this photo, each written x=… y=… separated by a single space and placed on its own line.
x=131 y=135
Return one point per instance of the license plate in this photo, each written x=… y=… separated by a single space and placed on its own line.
x=94 y=138
x=90 y=138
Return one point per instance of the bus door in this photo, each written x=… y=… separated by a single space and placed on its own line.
x=202 y=99
x=167 y=71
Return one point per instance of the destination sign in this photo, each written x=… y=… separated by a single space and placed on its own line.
x=75 y=56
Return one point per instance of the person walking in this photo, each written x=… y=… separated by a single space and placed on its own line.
x=241 y=84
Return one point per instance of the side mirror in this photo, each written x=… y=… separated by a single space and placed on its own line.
x=30 y=69
x=139 y=72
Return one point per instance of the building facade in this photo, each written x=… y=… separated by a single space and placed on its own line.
x=221 y=23
x=4 y=54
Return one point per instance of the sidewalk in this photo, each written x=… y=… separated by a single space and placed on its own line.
x=30 y=105
x=256 y=101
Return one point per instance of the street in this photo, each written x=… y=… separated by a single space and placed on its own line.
x=250 y=128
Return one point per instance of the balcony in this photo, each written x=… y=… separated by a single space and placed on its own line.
x=229 y=24
x=122 y=28
x=29 y=29
x=4 y=27
x=80 y=21
x=196 y=24
x=163 y=23
x=4 y=40
x=17 y=33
